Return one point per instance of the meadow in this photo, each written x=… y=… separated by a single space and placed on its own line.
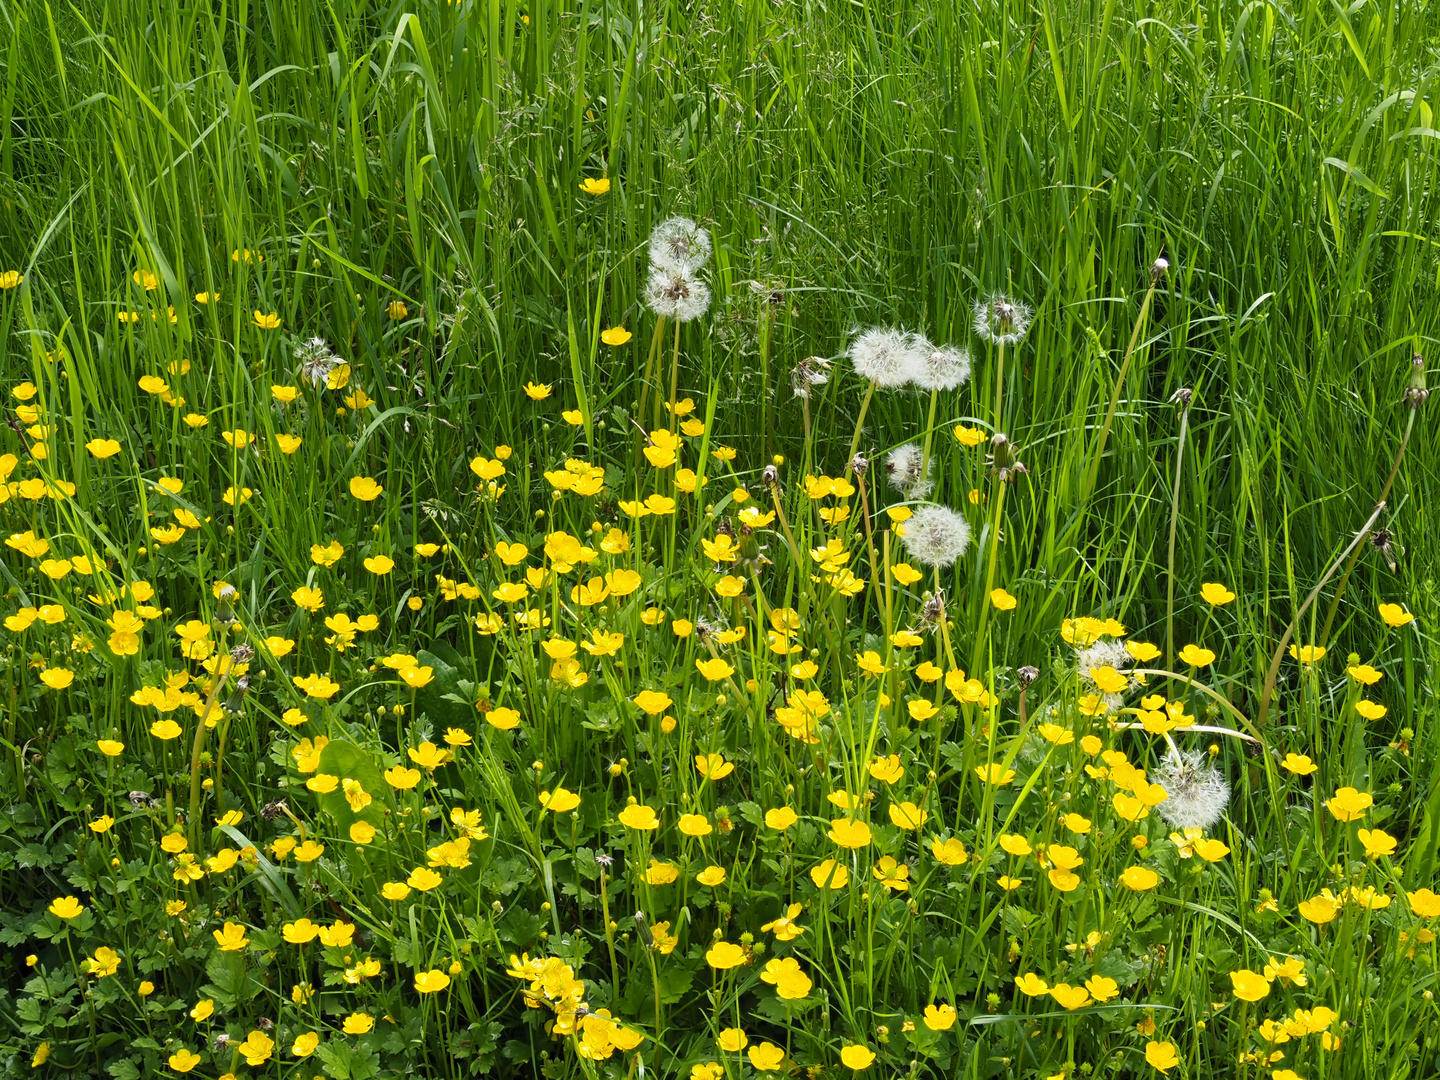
x=590 y=538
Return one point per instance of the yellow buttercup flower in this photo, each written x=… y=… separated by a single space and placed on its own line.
x=640 y=817
x=265 y=320
x=1215 y=594
x=616 y=335
x=66 y=907
x=1394 y=615
x=724 y=955
x=1196 y=656
x=1161 y=1055
x=1249 y=985
x=365 y=488
x=857 y=1056
x=593 y=185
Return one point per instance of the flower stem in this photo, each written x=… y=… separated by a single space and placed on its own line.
x=859 y=425
x=1094 y=469
x=1174 y=519
x=674 y=378
x=929 y=434
x=994 y=558
x=999 y=385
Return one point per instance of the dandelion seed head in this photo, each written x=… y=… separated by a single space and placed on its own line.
x=1111 y=654
x=885 y=356
x=1198 y=794
x=1001 y=320
x=680 y=244
x=316 y=359
x=936 y=535
x=904 y=468
x=676 y=293
x=940 y=367
x=811 y=372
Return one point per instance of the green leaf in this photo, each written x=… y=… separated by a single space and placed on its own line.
x=350 y=762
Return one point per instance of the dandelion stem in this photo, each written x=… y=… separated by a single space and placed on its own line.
x=1174 y=519
x=870 y=544
x=1324 y=638
x=999 y=384
x=674 y=377
x=1093 y=471
x=859 y=426
x=929 y=434
x=649 y=367
x=1274 y=673
x=994 y=557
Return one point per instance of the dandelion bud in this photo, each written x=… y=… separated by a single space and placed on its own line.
x=858 y=465
x=1182 y=397
x=1027 y=675
x=1158 y=269
x=770 y=477
x=1417 y=391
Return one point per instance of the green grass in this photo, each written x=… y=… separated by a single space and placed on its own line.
x=856 y=165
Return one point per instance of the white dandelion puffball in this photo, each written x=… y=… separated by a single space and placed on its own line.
x=936 y=535
x=885 y=356
x=1197 y=793
x=941 y=367
x=675 y=293
x=1001 y=320
x=904 y=468
x=1111 y=654
x=679 y=243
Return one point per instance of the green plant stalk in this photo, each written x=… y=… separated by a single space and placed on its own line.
x=674 y=380
x=1324 y=637
x=999 y=384
x=649 y=368
x=929 y=435
x=1093 y=471
x=983 y=617
x=1274 y=673
x=221 y=678
x=1170 y=552
x=859 y=426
